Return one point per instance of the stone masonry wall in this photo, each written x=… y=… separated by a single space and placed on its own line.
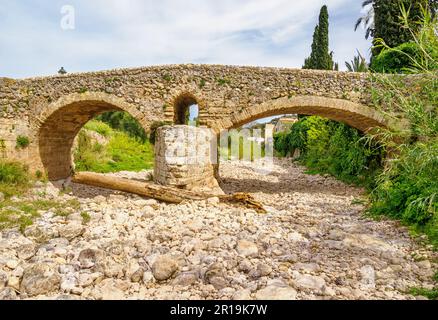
x=185 y=158
x=51 y=110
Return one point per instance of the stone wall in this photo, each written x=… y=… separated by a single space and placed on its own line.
x=185 y=157
x=51 y=110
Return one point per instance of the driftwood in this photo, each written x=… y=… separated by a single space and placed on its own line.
x=160 y=192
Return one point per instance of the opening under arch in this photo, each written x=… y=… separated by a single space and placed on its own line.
x=57 y=134
x=186 y=110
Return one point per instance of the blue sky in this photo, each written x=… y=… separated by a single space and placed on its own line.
x=131 y=33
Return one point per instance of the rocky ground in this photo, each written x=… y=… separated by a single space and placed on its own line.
x=314 y=243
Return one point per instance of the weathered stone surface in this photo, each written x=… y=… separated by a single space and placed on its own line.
x=276 y=292
x=71 y=230
x=164 y=268
x=305 y=281
x=90 y=258
x=46 y=108
x=183 y=158
x=127 y=235
x=368 y=277
x=247 y=248
x=39 y=279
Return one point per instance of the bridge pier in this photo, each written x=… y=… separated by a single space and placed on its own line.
x=185 y=157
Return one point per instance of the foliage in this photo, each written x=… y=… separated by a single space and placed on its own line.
x=123 y=121
x=431 y=294
x=320 y=57
x=387 y=24
x=22 y=142
x=22 y=213
x=358 y=64
x=122 y=152
x=418 y=55
x=330 y=147
x=408 y=187
x=100 y=127
x=14 y=178
x=396 y=60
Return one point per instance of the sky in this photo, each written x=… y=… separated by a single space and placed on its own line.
x=37 y=37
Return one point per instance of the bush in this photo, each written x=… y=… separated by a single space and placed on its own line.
x=332 y=147
x=13 y=173
x=123 y=121
x=14 y=178
x=22 y=142
x=99 y=127
x=408 y=187
x=397 y=60
x=122 y=152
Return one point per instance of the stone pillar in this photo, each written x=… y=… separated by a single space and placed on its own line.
x=185 y=157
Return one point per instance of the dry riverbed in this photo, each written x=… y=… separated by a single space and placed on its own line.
x=314 y=243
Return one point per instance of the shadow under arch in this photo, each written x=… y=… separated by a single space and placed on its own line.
x=62 y=121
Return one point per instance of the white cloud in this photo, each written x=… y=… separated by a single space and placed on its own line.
x=116 y=33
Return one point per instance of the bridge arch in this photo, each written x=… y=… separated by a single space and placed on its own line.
x=354 y=114
x=61 y=121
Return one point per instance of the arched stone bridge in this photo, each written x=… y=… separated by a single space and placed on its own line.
x=50 y=111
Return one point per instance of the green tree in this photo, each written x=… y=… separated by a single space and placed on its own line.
x=383 y=20
x=320 y=57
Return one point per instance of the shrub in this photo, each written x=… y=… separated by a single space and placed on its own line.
x=123 y=121
x=122 y=152
x=13 y=173
x=397 y=60
x=14 y=178
x=99 y=127
x=22 y=142
x=408 y=187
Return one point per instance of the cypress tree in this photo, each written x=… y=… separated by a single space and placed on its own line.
x=320 y=57
x=387 y=24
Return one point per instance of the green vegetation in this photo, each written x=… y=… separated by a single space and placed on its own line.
x=358 y=64
x=331 y=147
x=14 y=178
x=121 y=152
x=431 y=294
x=15 y=181
x=85 y=217
x=246 y=148
x=167 y=77
x=406 y=186
x=202 y=83
x=22 y=142
x=122 y=121
x=382 y=21
x=22 y=213
x=223 y=81
x=320 y=57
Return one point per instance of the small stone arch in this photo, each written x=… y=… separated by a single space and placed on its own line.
x=181 y=103
x=62 y=120
x=354 y=114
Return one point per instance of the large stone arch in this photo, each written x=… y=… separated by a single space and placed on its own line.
x=354 y=114
x=62 y=120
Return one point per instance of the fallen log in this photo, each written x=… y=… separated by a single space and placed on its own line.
x=160 y=192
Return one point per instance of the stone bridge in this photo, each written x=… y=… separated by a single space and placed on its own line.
x=50 y=111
